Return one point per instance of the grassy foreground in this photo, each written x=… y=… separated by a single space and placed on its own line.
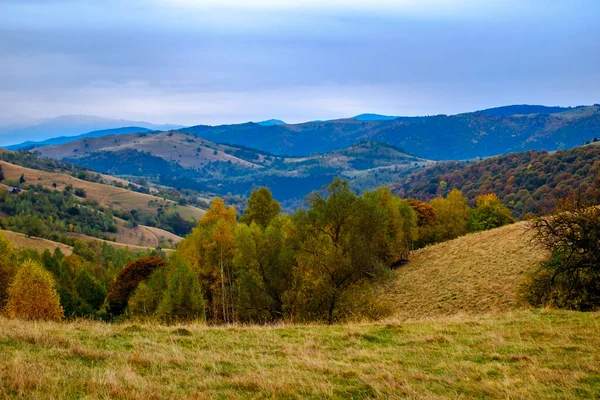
x=525 y=354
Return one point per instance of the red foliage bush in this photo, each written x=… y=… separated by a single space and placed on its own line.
x=127 y=281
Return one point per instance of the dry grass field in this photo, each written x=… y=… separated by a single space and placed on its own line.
x=23 y=242
x=485 y=349
x=477 y=273
x=108 y=196
x=515 y=355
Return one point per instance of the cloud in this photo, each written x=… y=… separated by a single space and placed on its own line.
x=229 y=61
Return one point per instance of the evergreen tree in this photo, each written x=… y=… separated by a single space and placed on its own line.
x=89 y=289
x=183 y=300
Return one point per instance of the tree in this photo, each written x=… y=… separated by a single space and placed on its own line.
x=343 y=250
x=8 y=268
x=261 y=208
x=570 y=276
x=182 y=299
x=265 y=260
x=33 y=226
x=426 y=221
x=89 y=289
x=127 y=281
x=452 y=216
x=490 y=213
x=1 y=174
x=32 y=294
x=22 y=179
x=210 y=251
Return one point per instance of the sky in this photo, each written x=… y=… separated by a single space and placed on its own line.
x=229 y=61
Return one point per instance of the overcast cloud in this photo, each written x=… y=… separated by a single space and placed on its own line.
x=192 y=62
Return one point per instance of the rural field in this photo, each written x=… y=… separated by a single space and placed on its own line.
x=524 y=354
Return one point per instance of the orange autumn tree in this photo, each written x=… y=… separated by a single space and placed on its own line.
x=32 y=295
x=210 y=251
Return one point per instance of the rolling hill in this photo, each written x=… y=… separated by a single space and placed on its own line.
x=526 y=182
x=474 y=274
x=441 y=137
x=183 y=160
x=66 y=139
x=458 y=332
x=101 y=197
x=113 y=197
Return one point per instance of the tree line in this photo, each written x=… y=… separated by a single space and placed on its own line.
x=327 y=262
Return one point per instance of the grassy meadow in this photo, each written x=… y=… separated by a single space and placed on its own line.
x=524 y=354
x=474 y=274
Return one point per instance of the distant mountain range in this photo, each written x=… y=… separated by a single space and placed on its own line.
x=482 y=133
x=441 y=137
x=68 y=125
x=294 y=159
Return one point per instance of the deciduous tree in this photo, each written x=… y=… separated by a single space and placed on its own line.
x=261 y=208
x=32 y=294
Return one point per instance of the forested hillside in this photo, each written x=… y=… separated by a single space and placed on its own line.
x=441 y=137
x=526 y=182
x=77 y=203
x=184 y=161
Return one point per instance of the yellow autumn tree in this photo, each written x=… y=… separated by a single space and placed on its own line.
x=489 y=214
x=452 y=216
x=32 y=294
x=210 y=251
x=8 y=268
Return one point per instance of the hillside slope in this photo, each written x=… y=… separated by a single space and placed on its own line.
x=67 y=125
x=526 y=182
x=109 y=196
x=21 y=241
x=440 y=137
x=67 y=139
x=474 y=274
x=185 y=161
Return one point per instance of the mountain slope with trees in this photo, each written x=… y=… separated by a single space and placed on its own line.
x=441 y=137
x=184 y=161
x=526 y=182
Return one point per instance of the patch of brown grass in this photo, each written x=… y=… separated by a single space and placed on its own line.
x=477 y=273
x=23 y=242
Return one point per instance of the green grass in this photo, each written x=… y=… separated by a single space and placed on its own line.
x=525 y=354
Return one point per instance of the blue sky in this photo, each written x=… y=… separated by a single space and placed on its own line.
x=192 y=62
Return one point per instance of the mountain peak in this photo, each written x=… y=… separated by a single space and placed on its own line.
x=374 y=117
x=271 y=122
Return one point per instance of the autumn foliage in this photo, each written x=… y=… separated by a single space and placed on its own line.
x=32 y=295
x=127 y=281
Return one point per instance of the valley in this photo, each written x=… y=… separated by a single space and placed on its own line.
x=299 y=200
